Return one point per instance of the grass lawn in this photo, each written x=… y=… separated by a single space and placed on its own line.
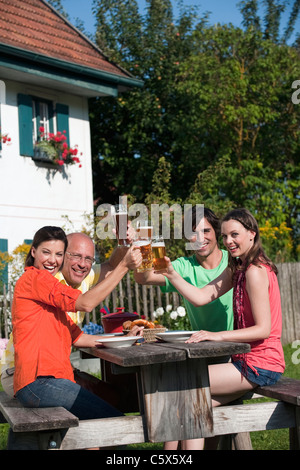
x=262 y=440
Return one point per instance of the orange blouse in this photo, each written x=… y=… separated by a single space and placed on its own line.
x=42 y=330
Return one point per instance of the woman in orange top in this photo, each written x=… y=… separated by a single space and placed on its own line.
x=43 y=332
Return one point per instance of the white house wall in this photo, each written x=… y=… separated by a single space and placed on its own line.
x=32 y=195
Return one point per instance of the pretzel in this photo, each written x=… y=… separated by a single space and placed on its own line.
x=128 y=325
x=144 y=323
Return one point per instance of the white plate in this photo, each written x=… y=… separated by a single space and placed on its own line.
x=118 y=341
x=111 y=334
x=175 y=336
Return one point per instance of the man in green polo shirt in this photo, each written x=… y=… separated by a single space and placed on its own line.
x=206 y=264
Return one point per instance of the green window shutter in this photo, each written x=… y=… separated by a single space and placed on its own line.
x=4 y=272
x=25 y=124
x=62 y=119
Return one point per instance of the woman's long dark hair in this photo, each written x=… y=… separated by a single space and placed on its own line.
x=45 y=234
x=256 y=254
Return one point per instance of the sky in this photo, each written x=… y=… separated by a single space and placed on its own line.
x=222 y=11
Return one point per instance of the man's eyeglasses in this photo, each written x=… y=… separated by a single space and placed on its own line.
x=78 y=258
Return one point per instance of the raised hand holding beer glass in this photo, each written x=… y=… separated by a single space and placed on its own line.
x=159 y=253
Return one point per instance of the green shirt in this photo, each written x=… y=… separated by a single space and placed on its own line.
x=218 y=314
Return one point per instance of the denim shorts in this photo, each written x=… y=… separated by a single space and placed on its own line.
x=264 y=377
x=47 y=391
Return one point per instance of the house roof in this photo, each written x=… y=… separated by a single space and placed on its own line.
x=32 y=29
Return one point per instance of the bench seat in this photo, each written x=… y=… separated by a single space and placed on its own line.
x=58 y=428
x=286 y=413
x=23 y=419
x=286 y=389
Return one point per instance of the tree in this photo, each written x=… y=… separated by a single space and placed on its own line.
x=239 y=92
x=216 y=106
x=132 y=132
x=274 y=10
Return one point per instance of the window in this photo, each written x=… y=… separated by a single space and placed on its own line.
x=35 y=112
x=41 y=111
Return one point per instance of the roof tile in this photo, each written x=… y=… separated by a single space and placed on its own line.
x=34 y=26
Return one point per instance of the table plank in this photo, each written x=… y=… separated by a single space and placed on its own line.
x=206 y=349
x=138 y=355
x=160 y=352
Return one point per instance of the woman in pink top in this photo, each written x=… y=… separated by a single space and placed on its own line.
x=257 y=313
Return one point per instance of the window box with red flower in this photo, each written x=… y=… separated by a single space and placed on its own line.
x=53 y=148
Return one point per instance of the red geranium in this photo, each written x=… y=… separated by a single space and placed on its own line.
x=4 y=138
x=56 y=148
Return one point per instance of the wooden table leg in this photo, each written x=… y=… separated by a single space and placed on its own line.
x=295 y=432
x=177 y=400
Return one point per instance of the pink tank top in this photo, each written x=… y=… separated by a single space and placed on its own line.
x=267 y=353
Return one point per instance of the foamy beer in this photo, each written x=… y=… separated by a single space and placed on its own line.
x=159 y=252
x=144 y=245
x=121 y=221
x=143 y=229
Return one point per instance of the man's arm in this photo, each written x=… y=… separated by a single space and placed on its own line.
x=90 y=299
x=195 y=295
x=149 y=278
x=117 y=255
x=108 y=266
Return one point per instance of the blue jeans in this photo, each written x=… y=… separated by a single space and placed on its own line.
x=263 y=376
x=49 y=391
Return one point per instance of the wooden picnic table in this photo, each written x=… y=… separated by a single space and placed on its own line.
x=173 y=384
x=174 y=403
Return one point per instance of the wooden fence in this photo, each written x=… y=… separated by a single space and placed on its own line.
x=289 y=284
x=145 y=300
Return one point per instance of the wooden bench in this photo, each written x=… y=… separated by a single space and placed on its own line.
x=34 y=428
x=279 y=414
x=51 y=428
x=56 y=428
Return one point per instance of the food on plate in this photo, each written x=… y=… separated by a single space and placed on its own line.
x=128 y=325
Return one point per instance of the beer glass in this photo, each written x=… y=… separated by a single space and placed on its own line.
x=158 y=252
x=121 y=222
x=144 y=229
x=144 y=245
